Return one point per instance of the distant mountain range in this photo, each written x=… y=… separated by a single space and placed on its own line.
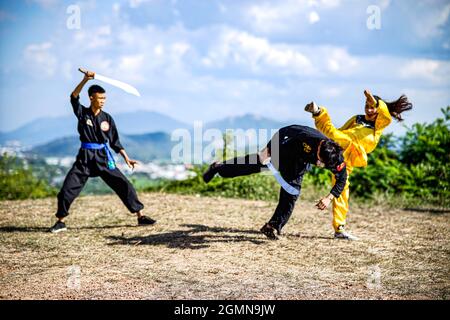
x=57 y=137
x=44 y=130
x=145 y=147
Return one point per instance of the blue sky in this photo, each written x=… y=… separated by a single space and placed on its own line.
x=204 y=60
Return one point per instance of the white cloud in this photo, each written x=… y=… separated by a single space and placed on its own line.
x=159 y=50
x=99 y=63
x=131 y=62
x=280 y=16
x=184 y=68
x=427 y=104
x=443 y=16
x=66 y=70
x=179 y=49
x=129 y=67
x=116 y=8
x=339 y=60
x=136 y=3
x=327 y=4
x=256 y=54
x=427 y=69
x=272 y=17
x=330 y=92
x=313 y=17
x=94 y=39
x=39 y=58
x=431 y=22
x=330 y=3
x=139 y=53
x=46 y=3
x=384 y=4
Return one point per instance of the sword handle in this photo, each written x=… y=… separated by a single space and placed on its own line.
x=87 y=73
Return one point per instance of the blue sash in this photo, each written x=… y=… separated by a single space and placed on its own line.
x=96 y=146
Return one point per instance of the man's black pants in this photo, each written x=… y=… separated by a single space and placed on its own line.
x=251 y=164
x=77 y=178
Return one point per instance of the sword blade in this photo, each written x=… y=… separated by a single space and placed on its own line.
x=119 y=84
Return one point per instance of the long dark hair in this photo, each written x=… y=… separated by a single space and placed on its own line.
x=398 y=106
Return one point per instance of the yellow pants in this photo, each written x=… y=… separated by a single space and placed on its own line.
x=340 y=205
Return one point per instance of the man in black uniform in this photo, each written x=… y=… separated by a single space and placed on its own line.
x=292 y=150
x=96 y=129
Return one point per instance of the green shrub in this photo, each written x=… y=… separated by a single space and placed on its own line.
x=17 y=181
x=256 y=187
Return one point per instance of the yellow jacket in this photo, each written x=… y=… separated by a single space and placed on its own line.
x=356 y=139
x=364 y=139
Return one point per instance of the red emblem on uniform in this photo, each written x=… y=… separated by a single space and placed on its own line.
x=104 y=126
x=340 y=167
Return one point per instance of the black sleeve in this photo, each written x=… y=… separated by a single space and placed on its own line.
x=340 y=173
x=77 y=107
x=114 y=141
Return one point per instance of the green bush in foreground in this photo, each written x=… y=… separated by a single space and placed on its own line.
x=17 y=181
x=256 y=187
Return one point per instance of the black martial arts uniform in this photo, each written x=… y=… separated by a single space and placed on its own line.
x=93 y=163
x=293 y=150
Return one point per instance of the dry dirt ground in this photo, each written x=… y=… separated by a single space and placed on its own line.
x=210 y=248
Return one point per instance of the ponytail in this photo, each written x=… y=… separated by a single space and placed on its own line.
x=398 y=106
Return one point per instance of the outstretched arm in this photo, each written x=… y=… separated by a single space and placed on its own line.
x=340 y=173
x=324 y=202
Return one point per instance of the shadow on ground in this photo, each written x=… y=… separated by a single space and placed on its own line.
x=191 y=238
x=10 y=229
x=428 y=210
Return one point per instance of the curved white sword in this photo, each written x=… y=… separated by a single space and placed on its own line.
x=119 y=84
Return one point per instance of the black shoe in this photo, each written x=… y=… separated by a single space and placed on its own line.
x=269 y=231
x=211 y=172
x=58 y=227
x=278 y=231
x=145 y=221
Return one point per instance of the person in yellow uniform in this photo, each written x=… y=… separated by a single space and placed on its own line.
x=358 y=137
